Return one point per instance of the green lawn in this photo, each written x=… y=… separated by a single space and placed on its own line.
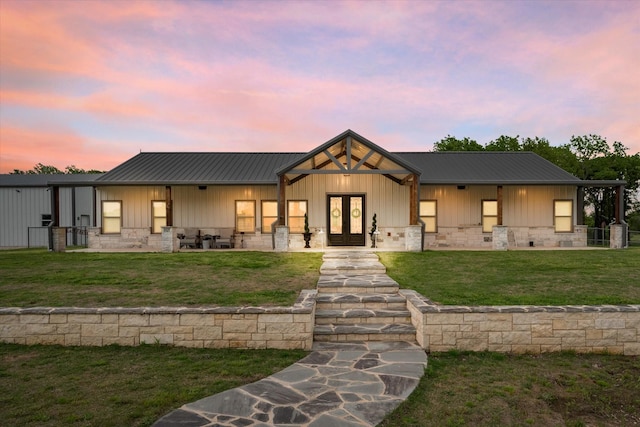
x=120 y=386
x=494 y=389
x=519 y=277
x=40 y=278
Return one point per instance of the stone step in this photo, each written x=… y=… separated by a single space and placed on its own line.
x=358 y=284
x=364 y=332
x=352 y=263
x=337 y=301
x=359 y=316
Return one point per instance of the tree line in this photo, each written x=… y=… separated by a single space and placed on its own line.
x=40 y=169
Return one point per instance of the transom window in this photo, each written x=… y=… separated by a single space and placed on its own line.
x=563 y=216
x=269 y=214
x=428 y=215
x=111 y=217
x=489 y=215
x=158 y=215
x=295 y=220
x=245 y=216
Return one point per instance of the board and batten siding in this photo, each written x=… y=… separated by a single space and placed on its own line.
x=387 y=199
x=211 y=207
x=530 y=205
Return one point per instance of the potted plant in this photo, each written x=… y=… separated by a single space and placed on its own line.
x=374 y=230
x=307 y=232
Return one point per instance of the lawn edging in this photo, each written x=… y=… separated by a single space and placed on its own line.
x=525 y=329
x=210 y=327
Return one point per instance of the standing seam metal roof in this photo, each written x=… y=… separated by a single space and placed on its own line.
x=462 y=168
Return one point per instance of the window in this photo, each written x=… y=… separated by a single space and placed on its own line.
x=45 y=220
x=158 y=215
x=296 y=211
x=428 y=212
x=563 y=216
x=245 y=216
x=269 y=215
x=111 y=217
x=489 y=215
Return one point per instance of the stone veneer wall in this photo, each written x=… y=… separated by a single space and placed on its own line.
x=221 y=327
x=525 y=329
x=471 y=236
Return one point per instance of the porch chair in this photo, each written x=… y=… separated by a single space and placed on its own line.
x=190 y=238
x=225 y=238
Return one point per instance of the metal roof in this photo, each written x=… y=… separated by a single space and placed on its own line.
x=487 y=167
x=44 y=180
x=198 y=168
x=457 y=168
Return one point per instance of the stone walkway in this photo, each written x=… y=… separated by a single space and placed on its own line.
x=350 y=384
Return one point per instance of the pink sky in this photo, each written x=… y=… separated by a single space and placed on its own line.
x=92 y=83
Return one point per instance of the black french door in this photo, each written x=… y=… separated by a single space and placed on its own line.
x=345 y=219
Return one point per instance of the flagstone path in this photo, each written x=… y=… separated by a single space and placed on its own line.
x=350 y=384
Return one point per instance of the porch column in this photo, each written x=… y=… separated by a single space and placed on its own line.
x=169 y=206
x=580 y=206
x=281 y=200
x=499 y=197
x=619 y=211
x=413 y=200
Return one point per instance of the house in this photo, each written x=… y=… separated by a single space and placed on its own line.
x=419 y=199
x=26 y=207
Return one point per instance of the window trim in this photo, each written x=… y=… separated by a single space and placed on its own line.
x=483 y=216
x=556 y=216
x=102 y=216
x=263 y=216
x=153 y=217
x=253 y=223
x=306 y=210
x=435 y=216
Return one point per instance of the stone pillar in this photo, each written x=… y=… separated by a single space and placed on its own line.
x=282 y=239
x=170 y=242
x=500 y=237
x=413 y=238
x=580 y=236
x=616 y=236
x=59 y=238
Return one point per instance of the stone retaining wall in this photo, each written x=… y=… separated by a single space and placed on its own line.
x=525 y=329
x=221 y=327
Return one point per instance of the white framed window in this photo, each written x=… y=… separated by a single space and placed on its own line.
x=111 y=216
x=489 y=215
x=563 y=216
x=295 y=215
x=245 y=216
x=158 y=215
x=429 y=215
x=269 y=214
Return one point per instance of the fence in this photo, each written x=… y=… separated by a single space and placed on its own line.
x=40 y=237
x=600 y=237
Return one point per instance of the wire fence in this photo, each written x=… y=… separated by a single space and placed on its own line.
x=40 y=237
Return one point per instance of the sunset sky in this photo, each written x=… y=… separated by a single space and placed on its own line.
x=93 y=83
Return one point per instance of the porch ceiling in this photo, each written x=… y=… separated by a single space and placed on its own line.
x=349 y=153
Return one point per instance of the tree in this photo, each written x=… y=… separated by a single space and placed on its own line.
x=40 y=169
x=451 y=143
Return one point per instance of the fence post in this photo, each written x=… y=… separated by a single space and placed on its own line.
x=59 y=239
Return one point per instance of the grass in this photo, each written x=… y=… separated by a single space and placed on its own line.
x=588 y=277
x=40 y=278
x=120 y=386
x=490 y=389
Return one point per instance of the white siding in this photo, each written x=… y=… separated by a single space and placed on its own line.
x=208 y=208
x=522 y=205
x=390 y=201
